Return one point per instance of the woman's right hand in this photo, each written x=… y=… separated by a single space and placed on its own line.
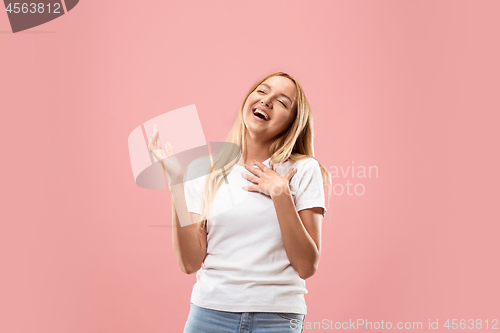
x=169 y=162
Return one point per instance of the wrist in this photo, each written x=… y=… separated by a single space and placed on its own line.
x=280 y=191
x=174 y=180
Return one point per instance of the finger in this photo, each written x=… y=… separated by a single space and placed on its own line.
x=252 y=188
x=170 y=149
x=157 y=133
x=151 y=137
x=250 y=177
x=154 y=133
x=291 y=173
x=252 y=169
x=150 y=143
x=261 y=165
x=157 y=140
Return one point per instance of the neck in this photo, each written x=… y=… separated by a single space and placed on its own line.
x=256 y=150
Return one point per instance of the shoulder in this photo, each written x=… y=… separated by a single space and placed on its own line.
x=307 y=183
x=305 y=163
x=305 y=167
x=308 y=168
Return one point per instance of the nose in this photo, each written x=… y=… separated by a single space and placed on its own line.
x=265 y=101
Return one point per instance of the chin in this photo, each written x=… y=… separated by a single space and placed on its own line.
x=251 y=127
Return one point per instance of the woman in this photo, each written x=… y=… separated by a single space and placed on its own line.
x=254 y=232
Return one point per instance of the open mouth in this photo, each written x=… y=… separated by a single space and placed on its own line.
x=261 y=114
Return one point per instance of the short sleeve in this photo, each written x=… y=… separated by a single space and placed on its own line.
x=193 y=189
x=307 y=184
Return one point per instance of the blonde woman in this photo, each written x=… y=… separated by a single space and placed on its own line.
x=253 y=230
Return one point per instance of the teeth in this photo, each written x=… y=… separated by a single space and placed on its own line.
x=262 y=113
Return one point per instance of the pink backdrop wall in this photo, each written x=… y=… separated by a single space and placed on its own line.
x=410 y=87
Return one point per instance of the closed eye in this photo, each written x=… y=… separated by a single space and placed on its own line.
x=263 y=92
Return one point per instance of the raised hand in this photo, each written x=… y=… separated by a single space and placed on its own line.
x=169 y=162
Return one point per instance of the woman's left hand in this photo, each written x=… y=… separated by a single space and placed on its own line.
x=267 y=180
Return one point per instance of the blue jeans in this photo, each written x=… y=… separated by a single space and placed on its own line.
x=201 y=320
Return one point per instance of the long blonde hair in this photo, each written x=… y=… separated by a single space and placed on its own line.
x=295 y=143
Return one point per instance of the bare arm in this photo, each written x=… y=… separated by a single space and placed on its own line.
x=189 y=241
x=301 y=233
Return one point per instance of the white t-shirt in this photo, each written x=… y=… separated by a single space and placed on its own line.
x=246 y=268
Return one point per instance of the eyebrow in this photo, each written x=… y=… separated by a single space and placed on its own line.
x=264 y=84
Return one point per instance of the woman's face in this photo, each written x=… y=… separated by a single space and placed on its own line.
x=276 y=97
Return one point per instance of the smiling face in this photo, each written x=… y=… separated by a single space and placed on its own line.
x=270 y=108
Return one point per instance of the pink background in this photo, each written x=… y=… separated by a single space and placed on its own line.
x=408 y=86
